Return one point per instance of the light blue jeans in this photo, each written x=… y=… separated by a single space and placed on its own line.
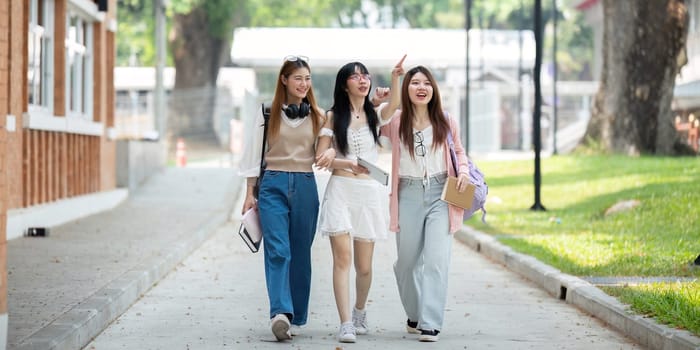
x=288 y=207
x=423 y=250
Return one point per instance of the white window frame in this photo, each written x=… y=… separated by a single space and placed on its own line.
x=79 y=64
x=76 y=122
x=43 y=34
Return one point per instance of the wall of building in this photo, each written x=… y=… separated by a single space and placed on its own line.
x=47 y=161
x=58 y=164
x=12 y=97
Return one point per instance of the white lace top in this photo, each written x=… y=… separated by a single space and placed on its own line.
x=360 y=141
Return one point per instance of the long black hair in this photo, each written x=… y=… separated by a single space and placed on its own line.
x=341 y=107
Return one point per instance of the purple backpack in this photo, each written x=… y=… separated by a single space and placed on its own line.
x=476 y=177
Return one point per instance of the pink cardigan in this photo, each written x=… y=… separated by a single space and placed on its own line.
x=391 y=130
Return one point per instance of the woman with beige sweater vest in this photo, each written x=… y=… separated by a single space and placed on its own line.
x=288 y=199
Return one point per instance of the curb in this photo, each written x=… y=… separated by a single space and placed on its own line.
x=80 y=325
x=582 y=294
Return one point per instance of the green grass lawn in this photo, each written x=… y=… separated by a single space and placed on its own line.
x=675 y=304
x=659 y=237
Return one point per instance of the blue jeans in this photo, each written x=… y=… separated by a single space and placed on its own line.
x=288 y=207
x=423 y=249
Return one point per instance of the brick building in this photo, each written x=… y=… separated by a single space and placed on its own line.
x=56 y=109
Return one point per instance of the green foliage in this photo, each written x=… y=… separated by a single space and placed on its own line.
x=183 y=6
x=574 y=45
x=504 y=14
x=136 y=19
x=306 y=13
x=221 y=13
x=135 y=38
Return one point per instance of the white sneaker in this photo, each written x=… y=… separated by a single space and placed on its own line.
x=359 y=320
x=412 y=327
x=295 y=330
x=346 y=334
x=280 y=327
x=428 y=335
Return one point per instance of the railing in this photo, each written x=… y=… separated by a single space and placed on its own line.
x=59 y=165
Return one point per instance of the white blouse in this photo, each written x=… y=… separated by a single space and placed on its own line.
x=432 y=163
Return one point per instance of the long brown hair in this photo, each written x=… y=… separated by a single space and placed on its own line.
x=288 y=67
x=435 y=112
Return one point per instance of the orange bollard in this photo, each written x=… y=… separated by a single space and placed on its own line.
x=693 y=134
x=180 y=154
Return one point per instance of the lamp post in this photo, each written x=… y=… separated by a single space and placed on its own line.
x=465 y=118
x=159 y=91
x=555 y=72
x=520 y=76
x=537 y=137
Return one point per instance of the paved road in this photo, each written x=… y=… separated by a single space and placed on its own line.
x=216 y=299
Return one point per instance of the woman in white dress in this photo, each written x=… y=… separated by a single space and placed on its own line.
x=354 y=211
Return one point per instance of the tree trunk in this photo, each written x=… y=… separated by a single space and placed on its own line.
x=198 y=55
x=642 y=43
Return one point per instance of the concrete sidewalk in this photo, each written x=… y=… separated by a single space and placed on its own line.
x=66 y=288
x=216 y=299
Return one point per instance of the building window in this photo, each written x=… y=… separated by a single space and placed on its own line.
x=79 y=65
x=40 y=55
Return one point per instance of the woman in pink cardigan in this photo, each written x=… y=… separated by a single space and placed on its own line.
x=423 y=222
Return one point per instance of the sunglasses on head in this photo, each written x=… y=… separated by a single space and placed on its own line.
x=294 y=58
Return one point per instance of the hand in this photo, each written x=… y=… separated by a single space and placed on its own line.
x=462 y=182
x=249 y=202
x=326 y=158
x=381 y=94
x=398 y=68
x=358 y=169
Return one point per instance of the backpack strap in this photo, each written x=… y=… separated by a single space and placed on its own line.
x=453 y=154
x=266 y=117
x=472 y=167
x=263 y=164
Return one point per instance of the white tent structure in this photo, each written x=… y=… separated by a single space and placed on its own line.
x=333 y=47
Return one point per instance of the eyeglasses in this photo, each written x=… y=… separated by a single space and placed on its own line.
x=357 y=76
x=418 y=139
x=294 y=58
